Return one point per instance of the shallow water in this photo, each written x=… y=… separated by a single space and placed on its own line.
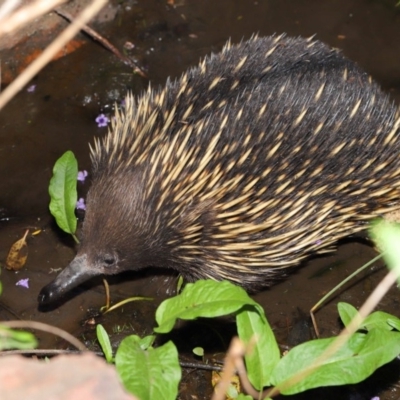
x=36 y=128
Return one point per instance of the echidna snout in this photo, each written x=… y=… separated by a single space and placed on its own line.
x=265 y=153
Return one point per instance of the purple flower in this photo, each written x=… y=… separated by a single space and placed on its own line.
x=318 y=242
x=82 y=175
x=23 y=282
x=31 y=89
x=102 y=120
x=80 y=204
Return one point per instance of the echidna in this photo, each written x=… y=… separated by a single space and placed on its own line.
x=265 y=153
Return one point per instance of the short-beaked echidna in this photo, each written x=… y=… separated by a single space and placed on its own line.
x=265 y=153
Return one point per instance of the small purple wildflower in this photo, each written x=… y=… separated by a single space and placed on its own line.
x=23 y=282
x=318 y=242
x=80 y=204
x=102 y=120
x=82 y=175
x=31 y=89
x=375 y=398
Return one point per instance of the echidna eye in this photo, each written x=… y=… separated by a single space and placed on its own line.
x=109 y=260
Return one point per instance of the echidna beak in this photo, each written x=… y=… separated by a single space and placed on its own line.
x=76 y=273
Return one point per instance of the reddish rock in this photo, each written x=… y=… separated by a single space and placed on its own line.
x=69 y=377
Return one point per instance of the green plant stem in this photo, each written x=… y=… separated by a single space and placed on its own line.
x=369 y=263
x=337 y=287
x=75 y=238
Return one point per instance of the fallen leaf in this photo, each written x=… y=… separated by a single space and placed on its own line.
x=18 y=254
x=234 y=387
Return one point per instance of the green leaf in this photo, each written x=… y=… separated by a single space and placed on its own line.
x=12 y=339
x=353 y=363
x=377 y=319
x=242 y=396
x=381 y=320
x=198 y=351
x=104 y=340
x=347 y=312
x=147 y=341
x=394 y=322
x=63 y=193
x=264 y=354
x=148 y=374
x=204 y=298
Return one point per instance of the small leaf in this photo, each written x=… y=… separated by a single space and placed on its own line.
x=104 y=340
x=148 y=374
x=347 y=312
x=63 y=193
x=198 y=351
x=18 y=254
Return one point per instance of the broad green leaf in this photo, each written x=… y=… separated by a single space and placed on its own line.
x=12 y=339
x=204 y=298
x=148 y=374
x=264 y=353
x=104 y=340
x=377 y=319
x=63 y=193
x=353 y=363
x=381 y=320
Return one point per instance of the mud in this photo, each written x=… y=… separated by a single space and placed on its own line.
x=36 y=127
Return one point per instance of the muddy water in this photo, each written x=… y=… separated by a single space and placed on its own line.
x=37 y=127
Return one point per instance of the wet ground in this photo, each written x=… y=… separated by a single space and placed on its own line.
x=59 y=115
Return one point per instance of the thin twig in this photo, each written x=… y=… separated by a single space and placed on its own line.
x=45 y=352
x=105 y=43
x=207 y=367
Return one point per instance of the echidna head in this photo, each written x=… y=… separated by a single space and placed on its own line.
x=118 y=234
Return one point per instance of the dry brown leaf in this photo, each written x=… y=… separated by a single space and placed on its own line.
x=18 y=254
x=234 y=384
